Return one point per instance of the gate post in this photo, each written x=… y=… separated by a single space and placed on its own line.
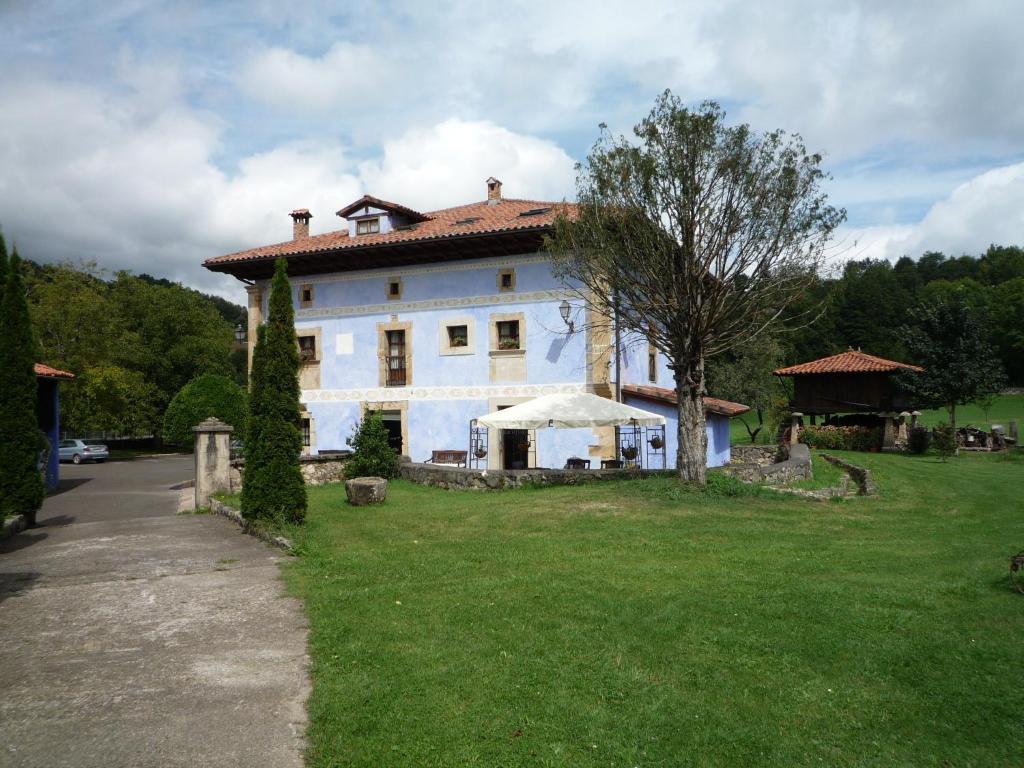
x=212 y=460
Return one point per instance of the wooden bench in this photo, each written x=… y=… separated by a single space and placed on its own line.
x=450 y=458
x=577 y=463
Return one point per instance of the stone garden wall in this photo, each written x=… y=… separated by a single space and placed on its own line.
x=794 y=465
x=316 y=470
x=458 y=478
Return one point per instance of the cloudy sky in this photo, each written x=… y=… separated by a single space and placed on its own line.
x=152 y=135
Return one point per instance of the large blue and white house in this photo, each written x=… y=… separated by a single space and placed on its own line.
x=436 y=319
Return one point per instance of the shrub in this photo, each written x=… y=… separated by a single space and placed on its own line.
x=372 y=455
x=919 y=440
x=201 y=398
x=842 y=438
x=944 y=440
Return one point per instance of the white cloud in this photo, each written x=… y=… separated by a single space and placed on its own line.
x=987 y=209
x=351 y=75
x=447 y=164
x=90 y=175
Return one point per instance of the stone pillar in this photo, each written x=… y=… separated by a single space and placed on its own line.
x=901 y=434
x=914 y=416
x=1013 y=431
x=889 y=435
x=212 y=460
x=794 y=427
x=255 y=316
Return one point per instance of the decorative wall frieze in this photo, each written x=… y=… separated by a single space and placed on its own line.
x=394 y=307
x=483 y=392
x=452 y=266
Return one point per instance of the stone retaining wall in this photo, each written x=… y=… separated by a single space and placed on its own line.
x=458 y=478
x=224 y=510
x=316 y=470
x=860 y=476
x=796 y=466
x=762 y=455
x=12 y=526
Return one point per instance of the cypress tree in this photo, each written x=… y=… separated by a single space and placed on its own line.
x=273 y=485
x=21 y=485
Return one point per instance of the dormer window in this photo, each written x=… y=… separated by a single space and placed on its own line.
x=368 y=226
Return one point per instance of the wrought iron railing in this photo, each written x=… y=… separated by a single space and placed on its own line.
x=396 y=370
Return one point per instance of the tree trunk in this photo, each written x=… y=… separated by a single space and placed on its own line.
x=692 y=439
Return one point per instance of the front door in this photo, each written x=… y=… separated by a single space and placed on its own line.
x=393 y=423
x=515 y=448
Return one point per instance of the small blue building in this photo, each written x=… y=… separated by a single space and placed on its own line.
x=48 y=415
x=435 y=319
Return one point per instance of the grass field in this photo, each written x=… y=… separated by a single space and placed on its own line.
x=641 y=624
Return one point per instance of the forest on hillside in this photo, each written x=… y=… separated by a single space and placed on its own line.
x=132 y=342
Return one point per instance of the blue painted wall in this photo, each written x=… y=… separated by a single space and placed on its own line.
x=716 y=427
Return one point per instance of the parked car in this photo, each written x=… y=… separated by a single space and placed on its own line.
x=77 y=451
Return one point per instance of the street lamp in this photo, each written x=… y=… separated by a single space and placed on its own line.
x=240 y=333
x=565 y=308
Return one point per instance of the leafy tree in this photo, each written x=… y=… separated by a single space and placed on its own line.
x=21 y=484
x=372 y=455
x=1001 y=264
x=1007 y=312
x=273 y=486
x=702 y=234
x=745 y=376
x=951 y=343
x=203 y=397
x=113 y=398
x=870 y=303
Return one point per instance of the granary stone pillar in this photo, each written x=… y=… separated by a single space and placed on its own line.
x=212 y=460
x=1013 y=431
x=901 y=434
x=889 y=431
x=794 y=427
x=914 y=416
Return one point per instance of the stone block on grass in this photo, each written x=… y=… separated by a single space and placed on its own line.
x=366 y=490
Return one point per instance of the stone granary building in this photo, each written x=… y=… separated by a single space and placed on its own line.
x=438 y=318
x=852 y=382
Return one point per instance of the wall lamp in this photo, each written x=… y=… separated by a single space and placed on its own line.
x=565 y=308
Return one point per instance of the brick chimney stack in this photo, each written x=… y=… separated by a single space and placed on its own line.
x=493 y=191
x=300 y=227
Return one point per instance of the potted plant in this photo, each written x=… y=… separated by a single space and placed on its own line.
x=629 y=452
x=480 y=453
x=656 y=442
x=508 y=343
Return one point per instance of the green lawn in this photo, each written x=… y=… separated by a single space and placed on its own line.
x=639 y=624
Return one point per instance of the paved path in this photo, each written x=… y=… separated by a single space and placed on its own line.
x=132 y=636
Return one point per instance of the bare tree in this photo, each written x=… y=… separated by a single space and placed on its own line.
x=701 y=235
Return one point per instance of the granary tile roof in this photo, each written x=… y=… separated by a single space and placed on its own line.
x=850 y=361
x=479 y=218
x=52 y=373
x=664 y=395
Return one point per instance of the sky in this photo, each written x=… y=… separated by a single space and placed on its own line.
x=152 y=135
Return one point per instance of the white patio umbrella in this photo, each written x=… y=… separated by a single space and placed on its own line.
x=569 y=411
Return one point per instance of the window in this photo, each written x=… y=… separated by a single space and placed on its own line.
x=306 y=296
x=394 y=291
x=368 y=226
x=458 y=336
x=652 y=365
x=307 y=349
x=508 y=334
x=305 y=433
x=395 y=359
x=507 y=280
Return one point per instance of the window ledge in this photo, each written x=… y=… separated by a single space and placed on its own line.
x=507 y=352
x=458 y=351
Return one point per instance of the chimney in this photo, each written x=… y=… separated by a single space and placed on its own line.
x=300 y=228
x=493 y=191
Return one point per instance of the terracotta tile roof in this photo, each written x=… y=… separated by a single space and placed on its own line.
x=472 y=219
x=664 y=395
x=52 y=373
x=850 y=361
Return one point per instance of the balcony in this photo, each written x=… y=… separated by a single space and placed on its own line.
x=395 y=366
